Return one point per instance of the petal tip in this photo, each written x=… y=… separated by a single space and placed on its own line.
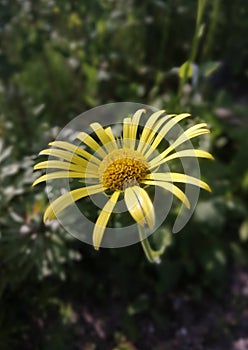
x=48 y=218
x=43 y=152
x=36 y=182
x=48 y=215
x=187 y=204
x=207 y=188
x=141 y=110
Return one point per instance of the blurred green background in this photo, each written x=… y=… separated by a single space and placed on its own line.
x=60 y=58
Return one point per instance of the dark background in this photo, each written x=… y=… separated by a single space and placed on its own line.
x=60 y=58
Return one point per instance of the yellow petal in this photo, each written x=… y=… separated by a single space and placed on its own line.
x=195 y=127
x=75 y=149
x=155 y=130
x=62 y=175
x=151 y=135
x=134 y=126
x=180 y=154
x=72 y=158
x=171 y=188
x=58 y=164
x=178 y=177
x=126 y=132
x=90 y=142
x=109 y=132
x=185 y=136
x=161 y=134
x=103 y=219
x=68 y=198
x=198 y=133
x=149 y=127
x=139 y=206
x=103 y=137
x=135 y=122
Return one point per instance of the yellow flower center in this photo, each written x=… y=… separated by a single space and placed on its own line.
x=122 y=168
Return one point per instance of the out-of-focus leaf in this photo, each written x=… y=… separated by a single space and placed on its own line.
x=9 y=170
x=245 y=182
x=209 y=68
x=162 y=238
x=186 y=69
x=220 y=256
x=138 y=306
x=211 y=214
x=16 y=217
x=4 y=153
x=243 y=231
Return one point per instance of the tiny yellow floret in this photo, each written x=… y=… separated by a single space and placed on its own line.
x=122 y=168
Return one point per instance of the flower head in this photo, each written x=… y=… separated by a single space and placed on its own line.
x=123 y=166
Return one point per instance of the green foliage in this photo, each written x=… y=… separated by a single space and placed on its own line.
x=60 y=58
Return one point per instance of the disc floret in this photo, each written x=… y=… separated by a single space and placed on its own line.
x=122 y=168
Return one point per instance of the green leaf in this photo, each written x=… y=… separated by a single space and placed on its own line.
x=139 y=305
x=209 y=68
x=243 y=231
x=186 y=70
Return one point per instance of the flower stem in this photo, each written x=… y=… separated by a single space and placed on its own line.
x=195 y=44
x=216 y=10
x=152 y=255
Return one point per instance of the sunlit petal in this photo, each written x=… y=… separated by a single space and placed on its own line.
x=151 y=135
x=161 y=134
x=154 y=131
x=126 y=132
x=134 y=127
x=58 y=164
x=185 y=136
x=198 y=133
x=75 y=149
x=171 y=188
x=62 y=175
x=178 y=177
x=149 y=128
x=109 y=132
x=103 y=219
x=68 y=198
x=73 y=158
x=90 y=142
x=104 y=137
x=181 y=154
x=139 y=206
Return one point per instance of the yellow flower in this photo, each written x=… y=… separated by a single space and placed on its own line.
x=125 y=165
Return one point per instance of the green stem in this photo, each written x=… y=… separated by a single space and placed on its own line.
x=195 y=44
x=212 y=29
x=152 y=255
